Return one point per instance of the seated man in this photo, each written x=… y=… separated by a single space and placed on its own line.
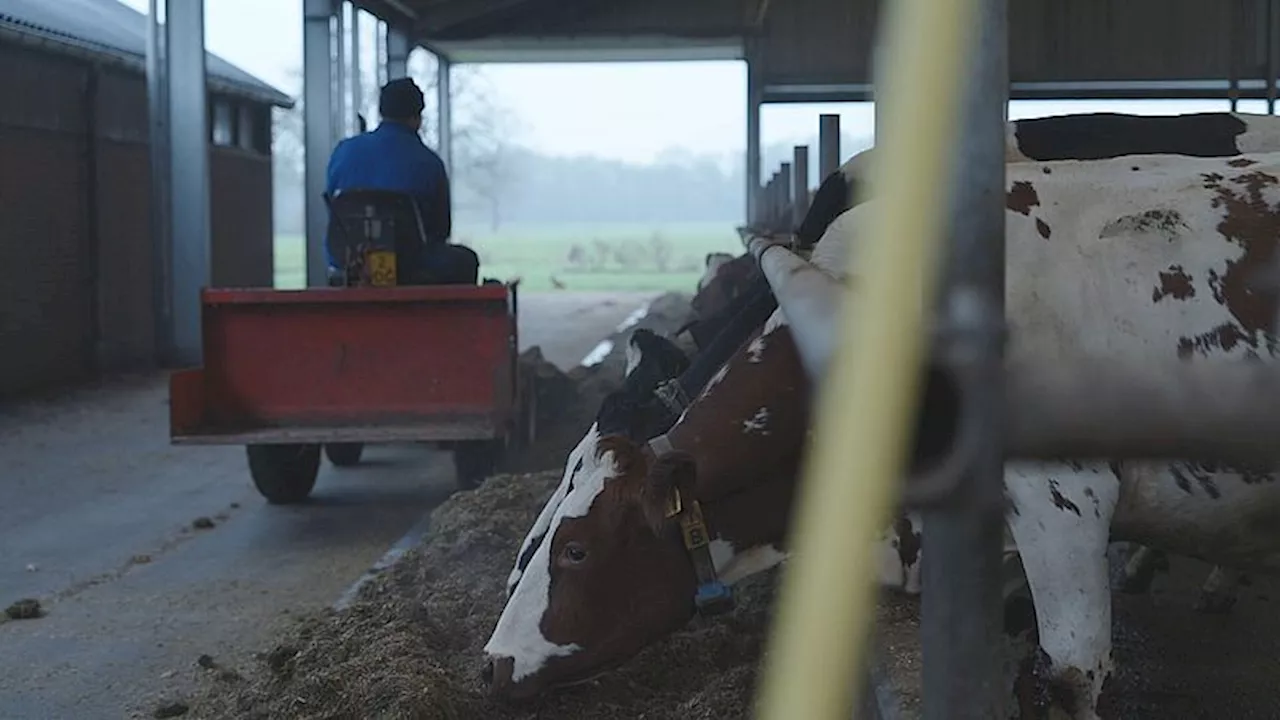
x=393 y=157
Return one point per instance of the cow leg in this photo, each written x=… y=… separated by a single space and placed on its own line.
x=1141 y=568
x=1219 y=593
x=1060 y=517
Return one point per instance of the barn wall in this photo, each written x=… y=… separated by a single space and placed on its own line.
x=75 y=242
x=44 y=307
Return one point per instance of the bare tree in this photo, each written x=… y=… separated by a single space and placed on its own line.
x=482 y=166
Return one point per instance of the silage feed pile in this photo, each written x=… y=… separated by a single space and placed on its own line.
x=411 y=646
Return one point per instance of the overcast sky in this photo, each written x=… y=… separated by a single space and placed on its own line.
x=634 y=111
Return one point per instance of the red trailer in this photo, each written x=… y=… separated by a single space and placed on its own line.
x=287 y=373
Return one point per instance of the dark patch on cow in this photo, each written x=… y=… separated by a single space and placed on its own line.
x=1185 y=348
x=833 y=197
x=1250 y=474
x=523 y=562
x=1097 y=504
x=1042 y=227
x=909 y=542
x=1183 y=482
x=1060 y=500
x=1022 y=197
x=1174 y=283
x=1162 y=221
x=1253 y=224
x=1115 y=469
x=1047 y=170
x=1202 y=473
x=1242 y=162
x=1135 y=168
x=1075 y=465
x=1097 y=136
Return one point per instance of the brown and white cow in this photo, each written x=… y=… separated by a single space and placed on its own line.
x=1147 y=255
x=1084 y=136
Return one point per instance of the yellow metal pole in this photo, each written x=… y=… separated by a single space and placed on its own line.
x=862 y=419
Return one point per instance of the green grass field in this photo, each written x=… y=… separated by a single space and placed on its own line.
x=580 y=257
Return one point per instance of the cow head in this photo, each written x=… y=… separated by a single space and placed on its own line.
x=651 y=360
x=723 y=282
x=612 y=573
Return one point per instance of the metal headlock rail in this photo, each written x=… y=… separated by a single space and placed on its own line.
x=942 y=138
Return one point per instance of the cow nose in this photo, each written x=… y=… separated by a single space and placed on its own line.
x=497 y=674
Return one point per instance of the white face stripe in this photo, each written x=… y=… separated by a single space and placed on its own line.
x=518 y=634
x=634 y=356
x=584 y=452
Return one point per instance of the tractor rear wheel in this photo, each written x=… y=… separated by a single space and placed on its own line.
x=284 y=474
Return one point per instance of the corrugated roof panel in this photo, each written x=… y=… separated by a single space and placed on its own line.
x=113 y=25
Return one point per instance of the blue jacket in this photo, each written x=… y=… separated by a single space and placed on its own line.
x=393 y=157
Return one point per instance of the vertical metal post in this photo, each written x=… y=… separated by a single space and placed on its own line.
x=828 y=145
x=380 y=51
x=158 y=140
x=444 y=105
x=799 y=184
x=961 y=611
x=397 y=53
x=769 y=209
x=1273 y=47
x=339 y=104
x=357 y=67
x=784 y=195
x=188 y=173
x=317 y=89
x=755 y=213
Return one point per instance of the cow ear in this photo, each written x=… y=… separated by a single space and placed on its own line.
x=673 y=471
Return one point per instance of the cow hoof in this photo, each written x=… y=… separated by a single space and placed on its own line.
x=1214 y=603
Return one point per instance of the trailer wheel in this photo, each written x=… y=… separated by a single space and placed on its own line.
x=474 y=461
x=344 y=454
x=284 y=474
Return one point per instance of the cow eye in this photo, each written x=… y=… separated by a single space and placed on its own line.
x=574 y=554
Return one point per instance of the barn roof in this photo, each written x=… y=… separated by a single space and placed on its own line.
x=113 y=31
x=813 y=50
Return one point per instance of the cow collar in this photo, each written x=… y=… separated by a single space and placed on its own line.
x=712 y=597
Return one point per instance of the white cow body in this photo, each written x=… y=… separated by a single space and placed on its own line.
x=1127 y=258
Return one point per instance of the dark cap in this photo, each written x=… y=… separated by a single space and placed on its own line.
x=401 y=98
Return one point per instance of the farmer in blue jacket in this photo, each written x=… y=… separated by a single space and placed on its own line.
x=393 y=157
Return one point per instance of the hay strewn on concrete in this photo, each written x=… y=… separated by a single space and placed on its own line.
x=410 y=647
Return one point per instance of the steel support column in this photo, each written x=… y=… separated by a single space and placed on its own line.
x=961 y=596
x=444 y=105
x=339 y=104
x=380 y=51
x=357 y=70
x=317 y=84
x=188 y=156
x=754 y=209
x=828 y=145
x=158 y=139
x=1273 y=48
x=398 y=49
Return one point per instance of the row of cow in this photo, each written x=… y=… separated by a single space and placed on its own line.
x=1126 y=236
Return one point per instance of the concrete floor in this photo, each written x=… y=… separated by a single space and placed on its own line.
x=96 y=513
